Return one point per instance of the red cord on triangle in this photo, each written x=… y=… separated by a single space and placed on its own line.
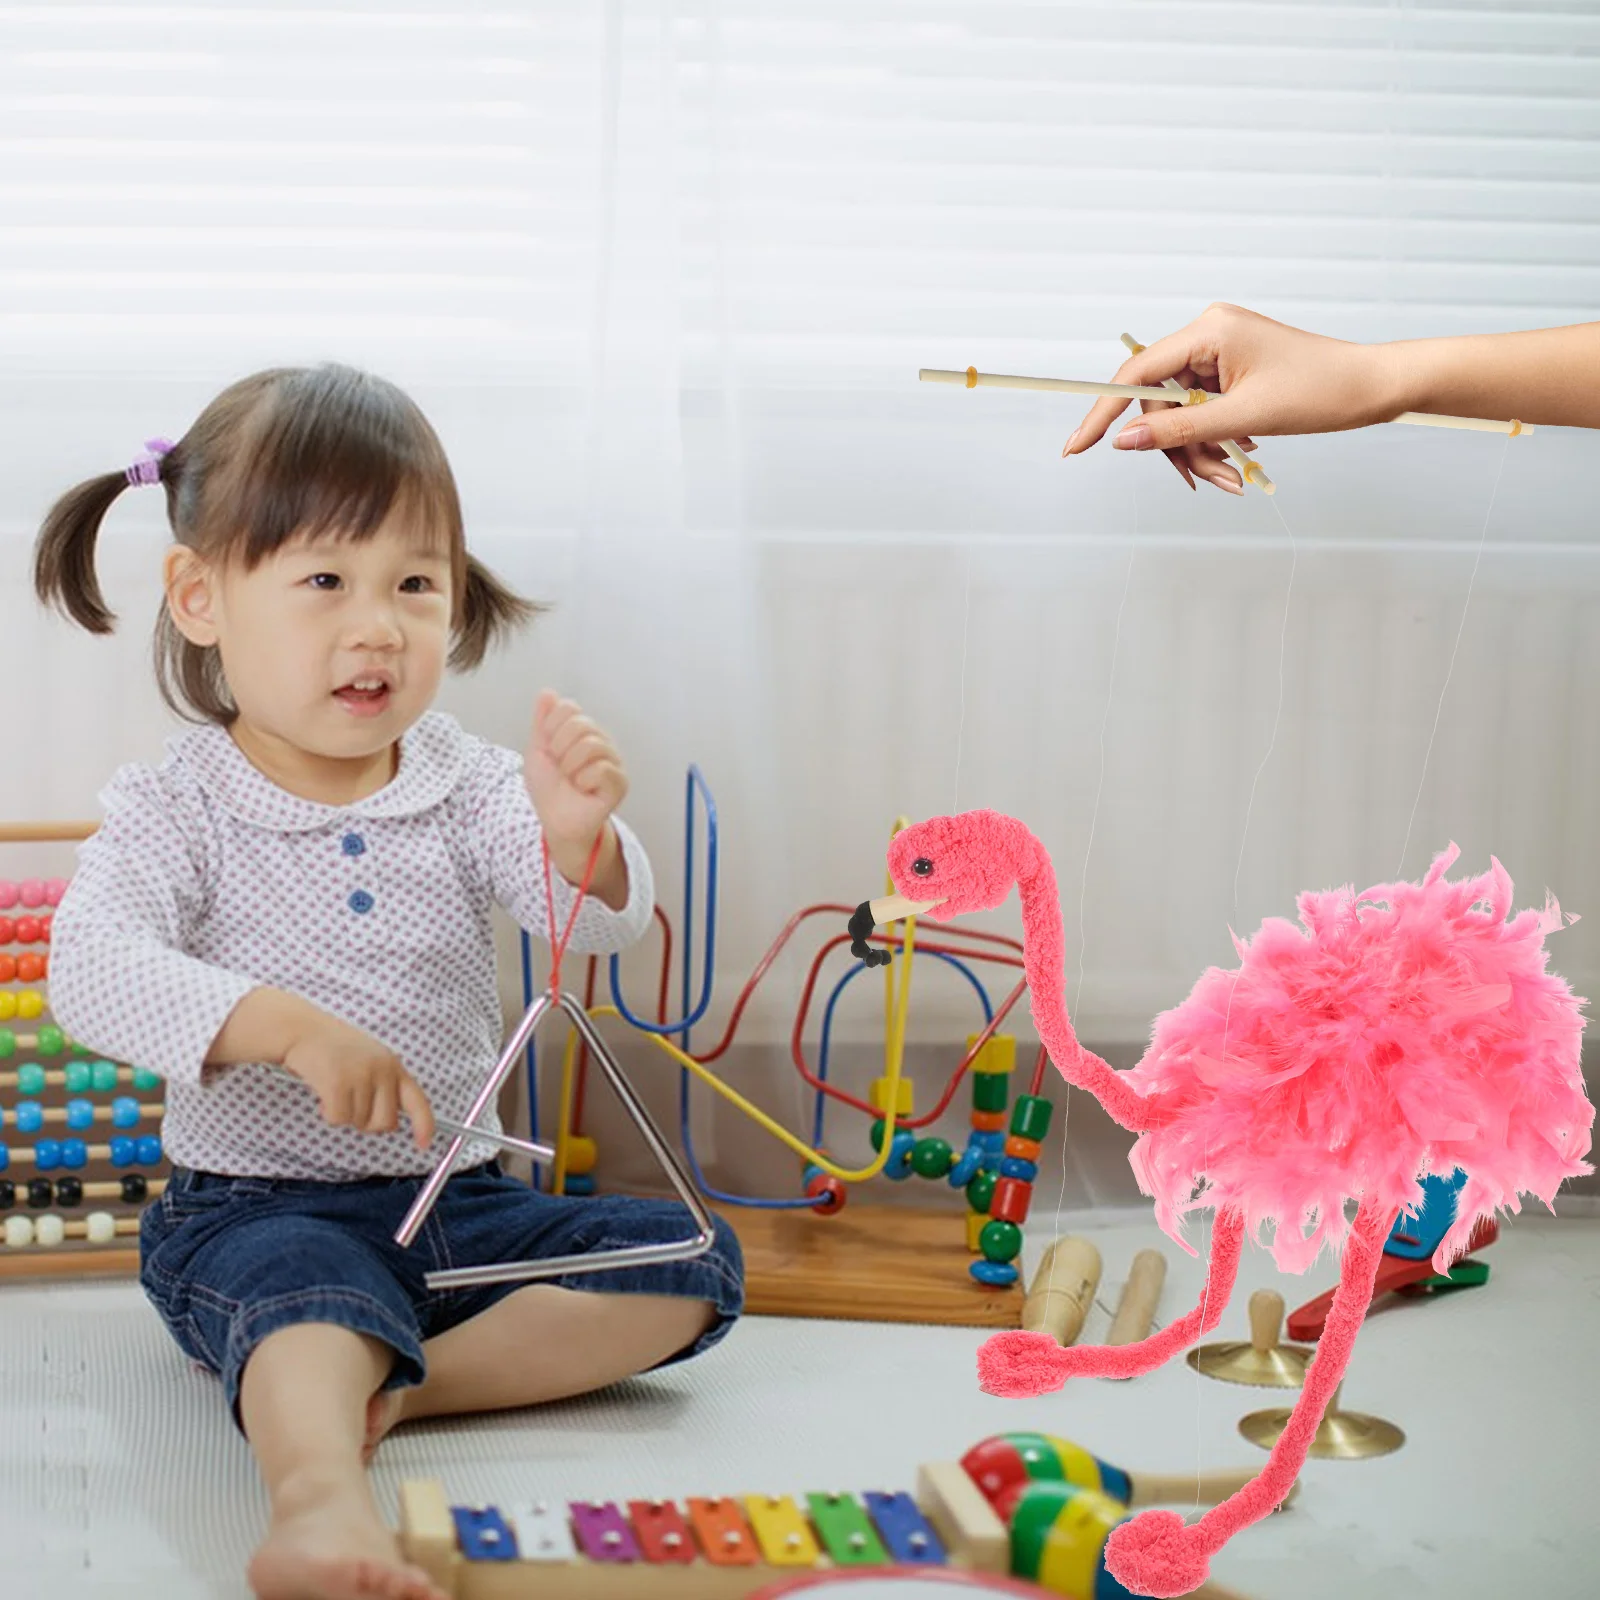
x=558 y=946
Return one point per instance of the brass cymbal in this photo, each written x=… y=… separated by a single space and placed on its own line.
x=1263 y=1362
x=1343 y=1435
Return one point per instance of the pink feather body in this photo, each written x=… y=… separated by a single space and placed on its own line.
x=1409 y=1030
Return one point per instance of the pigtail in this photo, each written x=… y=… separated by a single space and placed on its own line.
x=488 y=610
x=63 y=556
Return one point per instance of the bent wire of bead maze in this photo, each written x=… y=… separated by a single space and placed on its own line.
x=544 y=1007
x=51 y=1100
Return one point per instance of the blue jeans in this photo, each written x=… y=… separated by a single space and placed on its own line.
x=227 y=1261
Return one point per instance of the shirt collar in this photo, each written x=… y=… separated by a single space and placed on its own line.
x=432 y=756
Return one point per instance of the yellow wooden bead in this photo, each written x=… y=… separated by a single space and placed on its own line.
x=999 y=1053
x=977 y=1221
x=582 y=1154
x=880 y=1097
x=8 y=1005
x=30 y=1004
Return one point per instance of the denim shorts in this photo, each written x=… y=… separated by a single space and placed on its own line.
x=227 y=1261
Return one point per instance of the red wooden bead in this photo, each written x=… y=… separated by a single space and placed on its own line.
x=1011 y=1198
x=826 y=1192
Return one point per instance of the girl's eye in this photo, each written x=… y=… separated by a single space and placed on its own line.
x=315 y=580
x=426 y=583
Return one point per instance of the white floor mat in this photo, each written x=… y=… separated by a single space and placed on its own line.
x=120 y=1473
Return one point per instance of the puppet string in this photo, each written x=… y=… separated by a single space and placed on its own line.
x=1450 y=670
x=1283 y=642
x=1083 y=885
x=961 y=720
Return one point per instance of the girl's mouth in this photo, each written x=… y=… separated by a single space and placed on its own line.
x=363 y=702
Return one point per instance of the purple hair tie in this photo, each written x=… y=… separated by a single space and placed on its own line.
x=148 y=469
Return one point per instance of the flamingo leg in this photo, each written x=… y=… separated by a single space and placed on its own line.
x=1156 y=1554
x=1020 y=1363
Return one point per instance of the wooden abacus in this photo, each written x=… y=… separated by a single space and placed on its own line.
x=94 y=1129
x=732 y=1547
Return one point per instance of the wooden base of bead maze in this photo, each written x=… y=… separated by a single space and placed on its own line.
x=868 y=1263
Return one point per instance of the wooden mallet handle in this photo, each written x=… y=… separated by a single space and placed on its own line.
x=1209 y=1488
x=1063 y=1289
x=1266 y=1320
x=1136 y=1311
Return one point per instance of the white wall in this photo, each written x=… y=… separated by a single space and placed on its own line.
x=664 y=275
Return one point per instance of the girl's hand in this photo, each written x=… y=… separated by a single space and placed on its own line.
x=1272 y=379
x=359 y=1081
x=575 y=779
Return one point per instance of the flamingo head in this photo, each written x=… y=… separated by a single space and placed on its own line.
x=944 y=867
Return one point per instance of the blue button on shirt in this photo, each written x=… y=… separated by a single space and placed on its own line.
x=361 y=901
x=353 y=844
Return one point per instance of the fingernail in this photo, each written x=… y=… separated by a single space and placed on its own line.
x=1226 y=483
x=1066 y=449
x=1135 y=437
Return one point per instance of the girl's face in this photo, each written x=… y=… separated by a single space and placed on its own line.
x=331 y=650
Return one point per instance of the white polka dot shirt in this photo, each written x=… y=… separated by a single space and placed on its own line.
x=206 y=880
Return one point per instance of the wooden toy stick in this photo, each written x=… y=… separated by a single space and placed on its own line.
x=1251 y=469
x=1063 y=1289
x=1136 y=1310
x=972 y=378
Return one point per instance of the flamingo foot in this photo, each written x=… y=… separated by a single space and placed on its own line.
x=1157 y=1554
x=1019 y=1364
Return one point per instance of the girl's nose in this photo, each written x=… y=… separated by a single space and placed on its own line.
x=378 y=627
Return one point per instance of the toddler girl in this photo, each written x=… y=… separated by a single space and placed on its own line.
x=289 y=919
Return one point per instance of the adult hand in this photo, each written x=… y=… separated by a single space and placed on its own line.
x=1270 y=379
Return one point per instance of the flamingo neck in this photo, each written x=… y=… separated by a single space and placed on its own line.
x=1044 y=956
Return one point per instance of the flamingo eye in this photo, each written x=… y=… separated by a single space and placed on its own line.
x=922 y=866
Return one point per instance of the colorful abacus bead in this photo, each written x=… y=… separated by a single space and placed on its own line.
x=30 y=1078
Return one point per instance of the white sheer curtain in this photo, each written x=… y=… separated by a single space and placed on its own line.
x=663 y=275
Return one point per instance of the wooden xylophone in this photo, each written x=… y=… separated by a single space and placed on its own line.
x=734 y=1547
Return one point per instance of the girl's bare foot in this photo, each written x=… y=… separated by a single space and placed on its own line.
x=329 y=1544
x=384 y=1410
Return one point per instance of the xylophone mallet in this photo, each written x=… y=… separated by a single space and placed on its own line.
x=1004 y=1466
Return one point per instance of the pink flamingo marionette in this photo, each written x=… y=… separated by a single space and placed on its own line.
x=1409 y=1030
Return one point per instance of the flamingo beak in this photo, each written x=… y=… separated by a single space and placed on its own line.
x=872 y=914
x=891 y=908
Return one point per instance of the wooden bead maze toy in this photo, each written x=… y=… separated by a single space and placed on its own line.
x=946 y=1266
x=1018 y=1506
x=80 y=1144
